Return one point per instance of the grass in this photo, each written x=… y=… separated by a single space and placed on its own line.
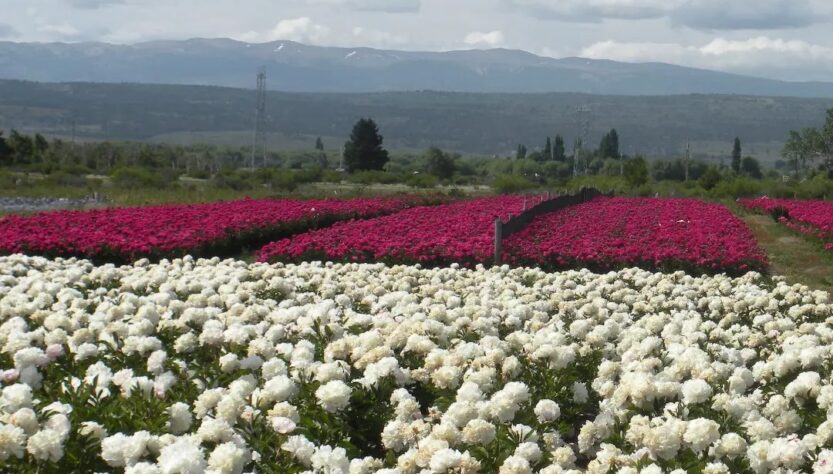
x=790 y=254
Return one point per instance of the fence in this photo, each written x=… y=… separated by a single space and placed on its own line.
x=545 y=206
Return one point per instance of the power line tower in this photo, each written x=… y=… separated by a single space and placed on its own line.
x=259 y=142
x=583 y=119
x=687 y=158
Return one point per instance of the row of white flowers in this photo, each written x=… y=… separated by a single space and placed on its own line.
x=192 y=366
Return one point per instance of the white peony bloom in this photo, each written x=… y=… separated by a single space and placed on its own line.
x=121 y=450
x=547 y=411
x=228 y=458
x=334 y=395
x=183 y=456
x=180 y=418
x=696 y=391
x=12 y=442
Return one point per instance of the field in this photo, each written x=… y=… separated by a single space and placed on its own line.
x=639 y=335
x=126 y=234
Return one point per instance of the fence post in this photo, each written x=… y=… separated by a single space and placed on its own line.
x=498 y=239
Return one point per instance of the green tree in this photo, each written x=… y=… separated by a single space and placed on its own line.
x=364 y=150
x=750 y=167
x=796 y=151
x=636 y=171
x=40 y=146
x=547 y=153
x=736 y=155
x=609 y=146
x=22 y=147
x=558 y=152
x=710 y=178
x=520 y=154
x=439 y=163
x=319 y=145
x=5 y=150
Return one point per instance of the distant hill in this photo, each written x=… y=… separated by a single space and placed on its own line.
x=467 y=122
x=296 y=67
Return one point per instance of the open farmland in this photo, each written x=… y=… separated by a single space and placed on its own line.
x=425 y=359
x=460 y=232
x=666 y=234
x=812 y=218
x=126 y=234
x=223 y=366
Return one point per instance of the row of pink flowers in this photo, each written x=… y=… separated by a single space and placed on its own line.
x=810 y=217
x=655 y=233
x=460 y=232
x=121 y=234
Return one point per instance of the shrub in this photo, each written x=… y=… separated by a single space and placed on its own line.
x=507 y=184
x=421 y=181
x=134 y=177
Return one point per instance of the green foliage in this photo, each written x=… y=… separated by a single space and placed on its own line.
x=736 y=155
x=738 y=187
x=364 y=150
x=636 y=172
x=508 y=184
x=609 y=146
x=135 y=177
x=371 y=177
x=520 y=153
x=675 y=170
x=711 y=177
x=440 y=164
x=750 y=167
x=421 y=181
x=558 y=149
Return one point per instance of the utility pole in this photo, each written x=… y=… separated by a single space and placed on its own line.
x=259 y=141
x=582 y=115
x=687 y=158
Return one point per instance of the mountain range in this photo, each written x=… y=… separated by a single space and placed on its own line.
x=475 y=123
x=296 y=67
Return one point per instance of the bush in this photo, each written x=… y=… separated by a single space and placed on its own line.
x=508 y=184
x=371 y=177
x=285 y=181
x=133 y=177
x=66 y=178
x=422 y=181
x=738 y=187
x=235 y=181
x=710 y=178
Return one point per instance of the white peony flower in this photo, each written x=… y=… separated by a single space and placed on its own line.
x=334 y=395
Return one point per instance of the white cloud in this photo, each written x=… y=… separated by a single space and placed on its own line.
x=61 y=30
x=490 y=39
x=597 y=10
x=301 y=29
x=389 y=6
x=700 y=14
x=93 y=4
x=376 y=38
x=788 y=59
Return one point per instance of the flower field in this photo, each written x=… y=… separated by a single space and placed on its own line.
x=653 y=233
x=124 y=234
x=191 y=366
x=809 y=217
x=461 y=232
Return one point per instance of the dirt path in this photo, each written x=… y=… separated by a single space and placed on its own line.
x=791 y=255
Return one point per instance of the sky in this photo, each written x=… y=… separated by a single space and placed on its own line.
x=784 y=39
